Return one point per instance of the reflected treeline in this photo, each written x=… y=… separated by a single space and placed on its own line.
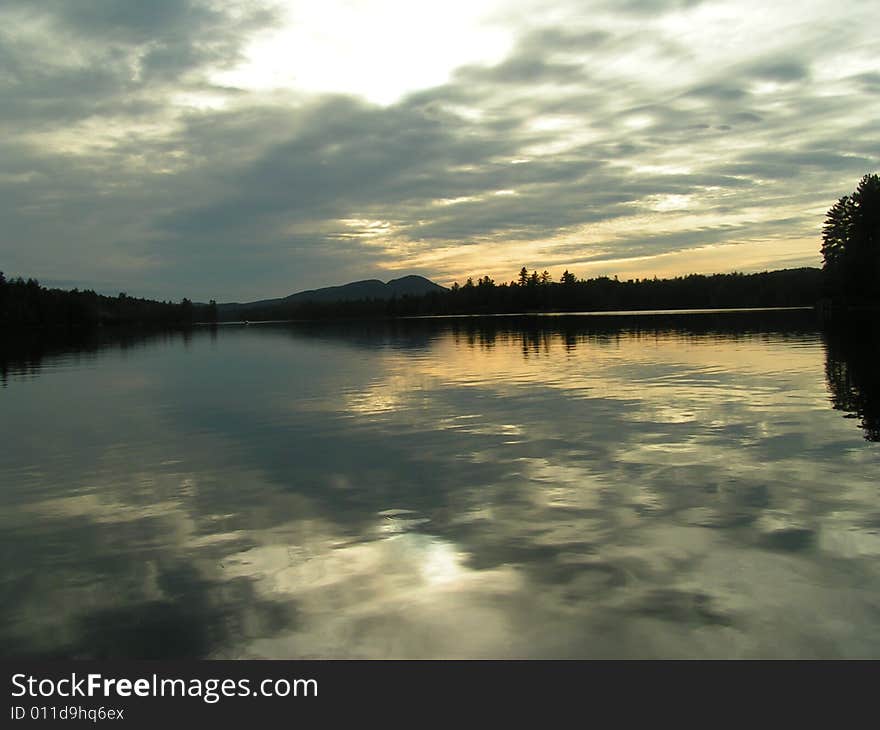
x=548 y=332
x=24 y=353
x=371 y=334
x=852 y=369
x=852 y=346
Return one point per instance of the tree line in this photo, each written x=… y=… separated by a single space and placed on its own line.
x=538 y=292
x=27 y=304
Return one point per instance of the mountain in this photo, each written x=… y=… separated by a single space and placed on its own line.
x=357 y=290
x=369 y=289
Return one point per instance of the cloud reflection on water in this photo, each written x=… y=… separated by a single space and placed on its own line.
x=442 y=489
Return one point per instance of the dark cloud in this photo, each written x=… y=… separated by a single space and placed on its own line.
x=781 y=70
x=103 y=58
x=162 y=22
x=868 y=81
x=718 y=91
x=786 y=165
x=134 y=22
x=653 y=7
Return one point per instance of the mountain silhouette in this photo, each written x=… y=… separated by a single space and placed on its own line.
x=411 y=285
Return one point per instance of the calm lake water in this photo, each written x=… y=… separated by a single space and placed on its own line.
x=667 y=486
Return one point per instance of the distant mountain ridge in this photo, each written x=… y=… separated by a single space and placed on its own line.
x=411 y=285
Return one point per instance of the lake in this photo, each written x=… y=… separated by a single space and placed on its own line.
x=699 y=485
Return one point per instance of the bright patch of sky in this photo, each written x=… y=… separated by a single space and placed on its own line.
x=375 y=49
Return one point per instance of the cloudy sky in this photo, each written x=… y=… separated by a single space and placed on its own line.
x=243 y=149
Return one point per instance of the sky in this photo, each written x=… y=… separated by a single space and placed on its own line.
x=243 y=149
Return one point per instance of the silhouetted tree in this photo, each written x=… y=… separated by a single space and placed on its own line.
x=851 y=244
x=835 y=235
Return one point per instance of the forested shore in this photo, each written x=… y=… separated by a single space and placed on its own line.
x=534 y=292
x=27 y=304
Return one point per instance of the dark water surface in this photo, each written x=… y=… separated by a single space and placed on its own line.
x=668 y=486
